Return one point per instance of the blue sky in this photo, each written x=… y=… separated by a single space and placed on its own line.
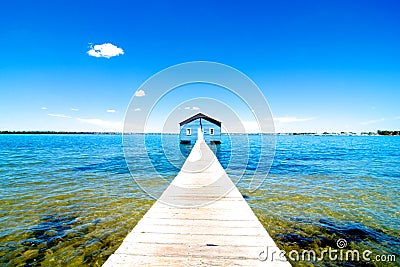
x=322 y=65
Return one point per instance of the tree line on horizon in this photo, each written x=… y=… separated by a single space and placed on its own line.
x=385 y=132
x=379 y=132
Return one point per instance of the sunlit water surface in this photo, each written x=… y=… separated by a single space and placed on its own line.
x=70 y=199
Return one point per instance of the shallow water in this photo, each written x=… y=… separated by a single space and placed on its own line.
x=70 y=199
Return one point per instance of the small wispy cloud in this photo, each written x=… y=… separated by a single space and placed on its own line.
x=74 y=109
x=106 y=50
x=372 y=121
x=292 y=119
x=140 y=93
x=44 y=108
x=192 y=108
x=137 y=109
x=111 y=110
x=110 y=125
x=397 y=118
x=59 y=115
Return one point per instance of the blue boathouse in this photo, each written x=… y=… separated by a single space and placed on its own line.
x=211 y=129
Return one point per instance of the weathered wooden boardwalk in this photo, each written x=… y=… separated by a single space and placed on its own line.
x=200 y=220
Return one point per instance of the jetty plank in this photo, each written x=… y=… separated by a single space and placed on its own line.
x=201 y=219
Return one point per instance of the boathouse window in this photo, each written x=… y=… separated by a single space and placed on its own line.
x=188 y=131
x=211 y=131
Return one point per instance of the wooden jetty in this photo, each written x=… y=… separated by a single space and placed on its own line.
x=201 y=219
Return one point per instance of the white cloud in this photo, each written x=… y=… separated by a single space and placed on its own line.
x=111 y=110
x=140 y=93
x=291 y=119
x=137 y=109
x=192 y=108
x=106 y=50
x=59 y=115
x=74 y=109
x=44 y=108
x=372 y=121
x=109 y=125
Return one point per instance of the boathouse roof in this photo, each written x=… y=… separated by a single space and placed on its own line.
x=202 y=116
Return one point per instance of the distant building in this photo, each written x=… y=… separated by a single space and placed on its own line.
x=211 y=129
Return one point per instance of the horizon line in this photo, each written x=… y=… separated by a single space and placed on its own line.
x=121 y=132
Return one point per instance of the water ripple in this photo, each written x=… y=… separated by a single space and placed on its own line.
x=70 y=199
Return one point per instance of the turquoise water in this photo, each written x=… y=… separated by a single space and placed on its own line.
x=70 y=199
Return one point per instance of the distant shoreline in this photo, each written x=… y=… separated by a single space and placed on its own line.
x=377 y=133
x=56 y=132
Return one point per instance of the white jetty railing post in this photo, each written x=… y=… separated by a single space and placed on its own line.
x=200 y=134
